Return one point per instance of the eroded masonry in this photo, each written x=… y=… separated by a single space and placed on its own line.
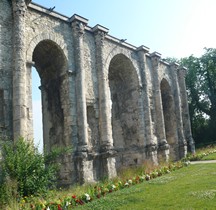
x=116 y=104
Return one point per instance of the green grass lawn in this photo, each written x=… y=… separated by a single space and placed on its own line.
x=192 y=187
x=210 y=157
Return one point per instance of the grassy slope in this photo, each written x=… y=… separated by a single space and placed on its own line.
x=192 y=187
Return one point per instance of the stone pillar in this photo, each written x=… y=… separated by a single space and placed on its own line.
x=185 y=109
x=105 y=125
x=182 y=144
x=163 y=147
x=78 y=25
x=20 y=109
x=150 y=141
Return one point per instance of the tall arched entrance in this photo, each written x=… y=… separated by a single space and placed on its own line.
x=123 y=82
x=50 y=63
x=169 y=118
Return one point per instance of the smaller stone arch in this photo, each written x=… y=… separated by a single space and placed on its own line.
x=121 y=51
x=125 y=94
x=169 y=118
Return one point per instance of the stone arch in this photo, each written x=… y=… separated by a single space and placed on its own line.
x=51 y=64
x=46 y=36
x=124 y=90
x=169 y=117
x=122 y=51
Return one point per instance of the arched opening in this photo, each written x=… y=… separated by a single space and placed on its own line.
x=169 y=118
x=123 y=82
x=50 y=64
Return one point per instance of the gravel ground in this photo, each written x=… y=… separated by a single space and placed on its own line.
x=203 y=161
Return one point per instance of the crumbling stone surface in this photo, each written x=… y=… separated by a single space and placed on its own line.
x=117 y=105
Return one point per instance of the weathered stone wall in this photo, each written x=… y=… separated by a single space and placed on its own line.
x=117 y=105
x=6 y=66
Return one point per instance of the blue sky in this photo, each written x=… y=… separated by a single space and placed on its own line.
x=174 y=28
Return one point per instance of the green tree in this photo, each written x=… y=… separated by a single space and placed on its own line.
x=201 y=87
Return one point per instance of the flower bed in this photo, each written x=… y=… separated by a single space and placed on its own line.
x=98 y=190
x=200 y=155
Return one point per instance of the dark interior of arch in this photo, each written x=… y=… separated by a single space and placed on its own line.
x=123 y=83
x=49 y=59
x=50 y=62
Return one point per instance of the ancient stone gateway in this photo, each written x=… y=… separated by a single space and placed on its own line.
x=116 y=104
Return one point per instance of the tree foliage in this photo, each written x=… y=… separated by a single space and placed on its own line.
x=201 y=89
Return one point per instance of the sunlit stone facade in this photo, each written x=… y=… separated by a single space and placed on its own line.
x=117 y=105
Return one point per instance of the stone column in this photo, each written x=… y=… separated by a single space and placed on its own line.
x=150 y=141
x=78 y=25
x=105 y=125
x=182 y=144
x=185 y=109
x=163 y=149
x=20 y=111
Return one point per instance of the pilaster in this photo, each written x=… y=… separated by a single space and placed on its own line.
x=20 y=109
x=103 y=89
x=163 y=147
x=78 y=25
x=82 y=162
x=150 y=141
x=185 y=110
x=105 y=125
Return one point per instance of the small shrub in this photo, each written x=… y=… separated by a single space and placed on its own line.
x=24 y=171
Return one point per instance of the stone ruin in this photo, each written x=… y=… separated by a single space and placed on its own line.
x=117 y=105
